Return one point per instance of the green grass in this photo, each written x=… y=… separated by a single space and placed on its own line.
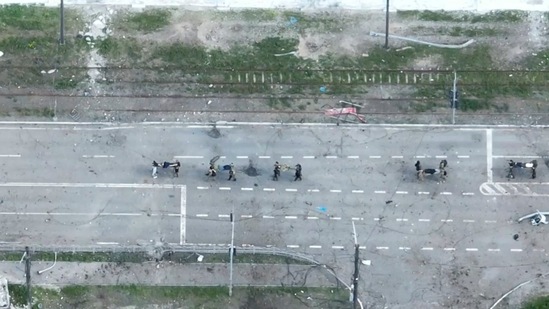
x=22 y=17
x=39 y=112
x=120 y=49
x=18 y=294
x=147 y=21
x=541 y=302
x=473 y=32
x=249 y=15
x=318 y=22
x=445 y=16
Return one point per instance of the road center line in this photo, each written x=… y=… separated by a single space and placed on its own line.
x=312 y=218
x=292 y=246
x=315 y=247
x=449 y=249
x=247 y=189
x=424 y=220
x=357 y=191
x=242 y=157
x=291 y=190
x=188 y=157
x=331 y=157
x=223 y=216
x=375 y=157
x=382 y=248
x=246 y=216
x=225 y=188
x=264 y=157
x=286 y=157
x=91 y=185
x=313 y=190
x=463 y=157
x=268 y=189
x=268 y=217
x=97 y=156
x=335 y=191
x=290 y=217
x=471 y=249
x=402 y=192
x=308 y=157
x=106 y=243
x=397 y=157
x=427 y=249
x=10 y=156
x=337 y=247
x=489 y=158
x=380 y=192
x=183 y=218
x=202 y=215
x=353 y=157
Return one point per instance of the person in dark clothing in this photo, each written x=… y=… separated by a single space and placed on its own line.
x=176 y=167
x=297 y=172
x=276 y=171
x=232 y=173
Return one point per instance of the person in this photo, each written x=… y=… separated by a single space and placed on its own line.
x=298 y=172
x=232 y=173
x=276 y=170
x=211 y=172
x=176 y=167
x=155 y=169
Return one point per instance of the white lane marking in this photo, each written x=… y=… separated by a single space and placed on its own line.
x=225 y=188
x=10 y=156
x=286 y=157
x=493 y=250
x=223 y=216
x=202 y=215
x=468 y=193
x=315 y=247
x=264 y=157
x=337 y=247
x=290 y=217
x=446 y=193
x=105 y=214
x=380 y=192
x=516 y=250
x=183 y=218
x=97 y=156
x=106 y=243
x=268 y=217
x=291 y=190
x=424 y=220
x=189 y=157
x=357 y=219
x=463 y=157
x=382 y=248
x=447 y=220
x=292 y=246
x=402 y=220
x=268 y=189
x=422 y=192
x=468 y=221
x=313 y=190
x=539 y=250
x=246 y=216
x=489 y=156
x=202 y=188
x=404 y=248
x=375 y=157
x=419 y=157
x=331 y=157
x=490 y=221
x=357 y=191
x=223 y=157
x=335 y=218
x=362 y=247
x=427 y=249
x=247 y=189
x=242 y=157
x=353 y=157
x=441 y=157
x=312 y=218
x=308 y=157
x=335 y=191
x=397 y=157
x=519 y=157
x=377 y=219
x=402 y=192
x=449 y=249
x=91 y=185
x=471 y=249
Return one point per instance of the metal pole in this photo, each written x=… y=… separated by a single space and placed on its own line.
x=28 y=276
x=355 y=276
x=62 y=25
x=231 y=251
x=454 y=99
x=387 y=25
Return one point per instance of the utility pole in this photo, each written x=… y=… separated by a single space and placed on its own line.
x=355 y=275
x=231 y=252
x=387 y=25
x=28 y=277
x=62 y=24
x=454 y=98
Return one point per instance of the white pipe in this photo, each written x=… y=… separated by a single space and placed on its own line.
x=423 y=42
x=54 y=262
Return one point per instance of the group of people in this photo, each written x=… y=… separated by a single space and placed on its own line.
x=175 y=165
x=441 y=170
x=278 y=168
x=212 y=171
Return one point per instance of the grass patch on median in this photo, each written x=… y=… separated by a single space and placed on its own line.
x=146 y=21
x=186 y=297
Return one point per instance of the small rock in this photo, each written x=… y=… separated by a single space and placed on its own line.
x=43 y=72
x=1 y=53
x=52 y=71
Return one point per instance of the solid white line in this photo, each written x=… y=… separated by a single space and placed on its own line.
x=202 y=188
x=268 y=217
x=268 y=189
x=468 y=221
x=468 y=193
x=446 y=193
x=493 y=250
x=291 y=190
x=379 y=192
x=424 y=220
x=242 y=157
x=353 y=157
x=202 y=215
x=402 y=192
x=331 y=157
x=471 y=249
x=247 y=189
x=441 y=157
x=427 y=249
x=10 y=156
x=290 y=217
x=223 y=216
x=292 y=246
x=337 y=247
x=516 y=250
x=335 y=218
x=357 y=191
x=397 y=157
x=183 y=218
x=382 y=248
x=489 y=156
x=106 y=243
x=264 y=157
x=90 y=185
x=312 y=218
x=518 y=157
x=225 y=188
x=313 y=190
x=246 y=216
x=404 y=248
x=335 y=191
x=189 y=157
x=315 y=247
x=463 y=157
x=375 y=157
x=308 y=157
x=422 y=192
x=449 y=249
x=103 y=214
x=286 y=157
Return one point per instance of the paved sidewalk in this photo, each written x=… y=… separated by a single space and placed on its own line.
x=169 y=274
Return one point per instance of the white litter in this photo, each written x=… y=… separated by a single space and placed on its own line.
x=200 y=258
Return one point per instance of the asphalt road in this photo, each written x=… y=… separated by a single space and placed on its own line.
x=83 y=185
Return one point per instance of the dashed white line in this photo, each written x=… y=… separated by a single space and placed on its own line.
x=10 y=156
x=357 y=191
x=335 y=191
x=337 y=247
x=377 y=219
x=463 y=157
x=424 y=220
x=315 y=247
x=516 y=250
x=312 y=218
x=404 y=248
x=471 y=249
x=246 y=216
x=419 y=157
x=242 y=157
x=397 y=157
x=106 y=243
x=449 y=249
x=490 y=221
x=331 y=157
x=402 y=220
x=188 y=157
x=402 y=192
x=223 y=216
x=493 y=250
x=290 y=217
x=335 y=218
x=468 y=221
x=427 y=249
x=380 y=192
x=375 y=157
x=202 y=188
x=313 y=190
x=353 y=157
x=382 y=248
x=292 y=246
x=225 y=188
x=446 y=193
x=357 y=219
x=97 y=156
x=202 y=215
x=286 y=157
x=422 y=192
x=467 y=193
x=362 y=247
x=441 y=157
x=447 y=220
x=539 y=250
x=308 y=157
x=268 y=189
x=268 y=217
x=291 y=190
x=247 y=189
x=264 y=157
